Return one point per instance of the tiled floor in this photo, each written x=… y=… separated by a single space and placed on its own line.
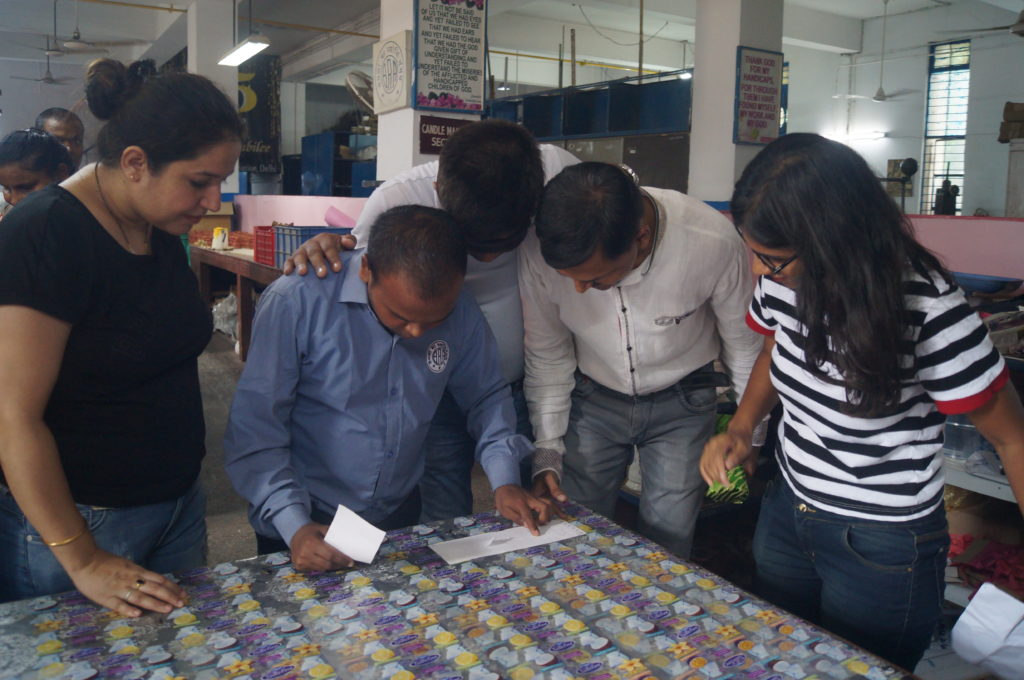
x=940 y=662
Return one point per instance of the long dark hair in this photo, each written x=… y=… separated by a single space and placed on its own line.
x=172 y=116
x=821 y=199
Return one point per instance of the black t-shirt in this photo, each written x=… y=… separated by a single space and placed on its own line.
x=125 y=411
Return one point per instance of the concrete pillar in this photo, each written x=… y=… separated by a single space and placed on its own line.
x=211 y=34
x=398 y=131
x=1015 y=180
x=723 y=25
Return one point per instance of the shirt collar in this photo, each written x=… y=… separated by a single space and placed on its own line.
x=353 y=289
x=637 y=275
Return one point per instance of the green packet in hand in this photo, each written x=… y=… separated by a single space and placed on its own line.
x=736 y=492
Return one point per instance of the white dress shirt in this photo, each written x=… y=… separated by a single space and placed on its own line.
x=684 y=306
x=494 y=285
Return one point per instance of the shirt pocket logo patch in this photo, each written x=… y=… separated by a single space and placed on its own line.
x=437 y=356
x=672 y=320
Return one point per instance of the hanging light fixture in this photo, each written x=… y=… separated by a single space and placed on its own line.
x=251 y=46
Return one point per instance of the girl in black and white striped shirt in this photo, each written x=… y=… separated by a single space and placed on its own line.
x=869 y=344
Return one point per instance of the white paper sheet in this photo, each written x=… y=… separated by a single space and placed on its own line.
x=495 y=543
x=354 y=536
x=990 y=632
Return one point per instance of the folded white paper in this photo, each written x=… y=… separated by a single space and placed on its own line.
x=990 y=632
x=497 y=542
x=354 y=536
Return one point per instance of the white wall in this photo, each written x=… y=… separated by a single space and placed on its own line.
x=22 y=100
x=996 y=77
x=811 y=77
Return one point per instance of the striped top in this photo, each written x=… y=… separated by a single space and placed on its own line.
x=884 y=468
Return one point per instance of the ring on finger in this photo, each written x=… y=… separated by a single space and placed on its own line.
x=127 y=597
x=139 y=582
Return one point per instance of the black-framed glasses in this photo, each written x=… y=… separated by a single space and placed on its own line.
x=774 y=269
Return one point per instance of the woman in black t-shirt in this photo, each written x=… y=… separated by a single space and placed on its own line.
x=101 y=433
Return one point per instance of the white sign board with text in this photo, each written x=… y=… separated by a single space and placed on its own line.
x=450 y=55
x=758 y=96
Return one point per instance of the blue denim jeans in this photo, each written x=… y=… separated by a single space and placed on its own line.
x=450 y=452
x=878 y=584
x=668 y=429
x=163 y=537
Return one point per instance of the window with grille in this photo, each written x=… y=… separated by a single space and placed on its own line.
x=949 y=79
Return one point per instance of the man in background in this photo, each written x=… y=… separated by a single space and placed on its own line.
x=67 y=128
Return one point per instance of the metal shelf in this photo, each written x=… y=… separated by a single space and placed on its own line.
x=957 y=475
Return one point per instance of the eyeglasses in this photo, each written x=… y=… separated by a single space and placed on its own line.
x=774 y=269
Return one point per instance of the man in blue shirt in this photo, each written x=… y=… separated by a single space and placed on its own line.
x=343 y=377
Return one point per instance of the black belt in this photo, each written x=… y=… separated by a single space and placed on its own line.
x=703 y=377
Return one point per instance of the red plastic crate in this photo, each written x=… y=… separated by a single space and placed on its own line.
x=263 y=245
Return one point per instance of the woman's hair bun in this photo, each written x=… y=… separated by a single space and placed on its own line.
x=109 y=84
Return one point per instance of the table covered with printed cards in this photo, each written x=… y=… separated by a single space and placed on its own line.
x=600 y=603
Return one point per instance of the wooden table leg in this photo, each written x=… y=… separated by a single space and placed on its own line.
x=245 y=314
x=202 y=272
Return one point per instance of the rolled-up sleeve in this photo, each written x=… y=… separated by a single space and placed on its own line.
x=257 y=443
x=480 y=390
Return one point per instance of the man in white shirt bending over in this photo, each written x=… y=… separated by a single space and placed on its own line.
x=629 y=295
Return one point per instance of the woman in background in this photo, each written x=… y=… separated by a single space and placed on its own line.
x=31 y=159
x=101 y=324
x=869 y=344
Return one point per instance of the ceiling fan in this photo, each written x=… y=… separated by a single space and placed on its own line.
x=1016 y=28
x=47 y=78
x=880 y=94
x=76 y=44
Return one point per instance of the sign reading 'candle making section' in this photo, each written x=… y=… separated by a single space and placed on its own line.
x=450 y=54
x=758 y=94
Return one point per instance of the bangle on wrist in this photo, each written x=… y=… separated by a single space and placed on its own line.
x=66 y=541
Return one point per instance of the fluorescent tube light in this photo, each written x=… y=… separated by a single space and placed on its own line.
x=241 y=52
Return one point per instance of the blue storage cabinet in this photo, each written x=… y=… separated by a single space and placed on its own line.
x=626 y=107
x=586 y=113
x=504 y=109
x=318 y=154
x=325 y=172
x=363 y=170
x=662 y=106
x=542 y=115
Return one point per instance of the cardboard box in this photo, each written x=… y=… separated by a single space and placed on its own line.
x=1013 y=112
x=993 y=519
x=221 y=218
x=1008 y=131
